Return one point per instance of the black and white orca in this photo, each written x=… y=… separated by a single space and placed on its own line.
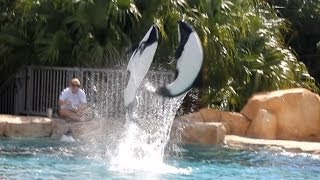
x=190 y=58
x=140 y=62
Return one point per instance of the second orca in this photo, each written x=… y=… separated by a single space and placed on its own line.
x=190 y=58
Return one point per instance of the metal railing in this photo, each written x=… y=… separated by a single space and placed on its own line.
x=7 y=96
x=35 y=89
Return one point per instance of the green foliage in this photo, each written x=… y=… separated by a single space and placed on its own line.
x=244 y=51
x=299 y=12
x=304 y=34
x=248 y=55
x=64 y=33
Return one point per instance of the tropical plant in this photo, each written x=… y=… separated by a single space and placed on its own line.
x=304 y=18
x=245 y=52
x=244 y=49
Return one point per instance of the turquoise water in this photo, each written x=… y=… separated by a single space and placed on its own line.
x=49 y=159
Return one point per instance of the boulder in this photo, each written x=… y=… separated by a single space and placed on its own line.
x=192 y=117
x=294 y=112
x=235 y=123
x=210 y=115
x=264 y=126
x=2 y=126
x=3 y=123
x=26 y=126
x=198 y=133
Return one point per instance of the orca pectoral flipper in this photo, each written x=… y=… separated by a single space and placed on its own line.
x=140 y=62
x=190 y=58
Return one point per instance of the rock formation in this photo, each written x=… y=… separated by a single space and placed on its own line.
x=235 y=123
x=292 y=114
x=25 y=126
x=191 y=132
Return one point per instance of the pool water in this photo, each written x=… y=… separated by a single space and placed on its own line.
x=50 y=159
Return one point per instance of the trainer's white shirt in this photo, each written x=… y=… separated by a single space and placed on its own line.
x=76 y=99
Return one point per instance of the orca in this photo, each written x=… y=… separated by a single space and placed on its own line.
x=140 y=63
x=190 y=57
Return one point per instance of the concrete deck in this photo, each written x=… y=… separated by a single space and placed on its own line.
x=289 y=146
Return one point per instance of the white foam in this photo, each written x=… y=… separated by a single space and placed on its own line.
x=137 y=155
x=147 y=132
x=66 y=138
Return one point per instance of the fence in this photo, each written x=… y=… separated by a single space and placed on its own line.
x=35 y=89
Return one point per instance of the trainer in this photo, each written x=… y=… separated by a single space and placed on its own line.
x=73 y=102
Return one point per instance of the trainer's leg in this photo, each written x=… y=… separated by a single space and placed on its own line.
x=69 y=115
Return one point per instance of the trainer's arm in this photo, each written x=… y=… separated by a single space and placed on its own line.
x=63 y=99
x=62 y=102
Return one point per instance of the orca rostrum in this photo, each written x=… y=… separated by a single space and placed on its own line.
x=140 y=62
x=189 y=55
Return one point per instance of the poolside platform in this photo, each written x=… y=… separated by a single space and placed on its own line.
x=42 y=127
x=238 y=142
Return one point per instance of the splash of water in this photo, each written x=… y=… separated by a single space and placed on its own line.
x=139 y=143
x=148 y=124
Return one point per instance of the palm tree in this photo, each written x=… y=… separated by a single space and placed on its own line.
x=304 y=34
x=245 y=52
x=243 y=45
